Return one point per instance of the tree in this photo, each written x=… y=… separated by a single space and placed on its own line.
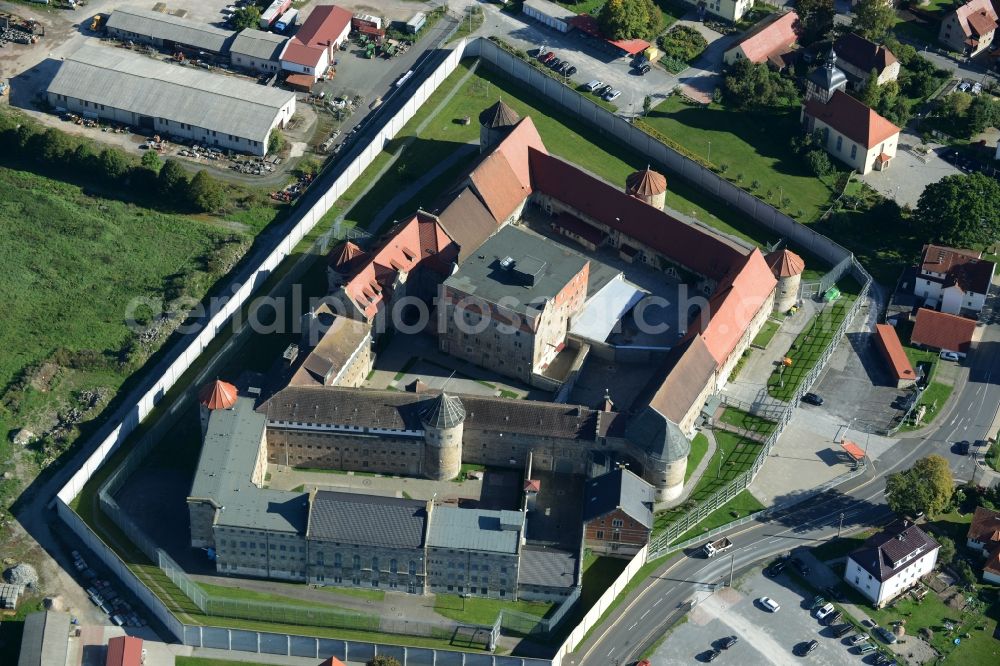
x=51 y=147
x=961 y=210
x=630 y=19
x=647 y=105
x=819 y=162
x=947 y=552
x=965 y=573
x=815 y=19
x=246 y=17
x=172 y=181
x=275 y=141
x=151 y=160
x=383 y=660
x=924 y=488
x=873 y=19
x=870 y=94
x=205 y=193
x=112 y=164
x=983 y=112
x=758 y=86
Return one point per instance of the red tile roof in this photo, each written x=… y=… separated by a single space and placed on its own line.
x=646 y=183
x=985 y=527
x=985 y=18
x=218 y=395
x=325 y=24
x=940 y=330
x=982 y=23
x=124 y=651
x=785 y=263
x=345 y=257
x=892 y=350
x=688 y=244
x=588 y=24
x=962 y=267
x=852 y=119
x=862 y=53
x=770 y=37
x=503 y=178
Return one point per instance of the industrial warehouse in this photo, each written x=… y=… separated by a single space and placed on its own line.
x=166 y=32
x=120 y=86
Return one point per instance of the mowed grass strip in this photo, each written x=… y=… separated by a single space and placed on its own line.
x=484 y=612
x=699 y=447
x=739 y=507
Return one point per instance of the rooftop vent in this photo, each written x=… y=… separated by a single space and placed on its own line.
x=507 y=263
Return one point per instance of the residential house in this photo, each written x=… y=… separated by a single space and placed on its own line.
x=984 y=537
x=727 y=10
x=969 y=30
x=953 y=280
x=617 y=514
x=941 y=331
x=852 y=132
x=891 y=562
x=310 y=52
x=859 y=57
x=770 y=41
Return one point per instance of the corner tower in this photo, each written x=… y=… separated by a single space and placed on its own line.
x=787 y=267
x=443 y=427
x=649 y=186
x=494 y=124
x=216 y=395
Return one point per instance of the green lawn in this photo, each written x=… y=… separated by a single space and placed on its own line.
x=739 y=507
x=766 y=334
x=475 y=610
x=699 y=447
x=904 y=330
x=934 y=398
x=747 y=421
x=807 y=348
x=671 y=10
x=203 y=661
x=993 y=456
x=754 y=146
x=733 y=456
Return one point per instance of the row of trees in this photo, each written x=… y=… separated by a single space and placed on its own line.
x=52 y=150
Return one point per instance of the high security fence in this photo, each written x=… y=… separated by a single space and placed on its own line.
x=162 y=376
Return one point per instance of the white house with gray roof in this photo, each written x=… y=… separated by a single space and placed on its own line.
x=257 y=51
x=891 y=562
x=120 y=86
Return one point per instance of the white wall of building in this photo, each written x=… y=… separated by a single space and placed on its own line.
x=880 y=593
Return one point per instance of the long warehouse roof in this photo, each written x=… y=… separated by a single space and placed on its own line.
x=139 y=84
x=170 y=28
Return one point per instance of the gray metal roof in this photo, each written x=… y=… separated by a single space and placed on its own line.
x=45 y=640
x=475 y=529
x=548 y=566
x=258 y=44
x=828 y=76
x=658 y=435
x=538 y=270
x=138 y=84
x=368 y=520
x=445 y=411
x=619 y=489
x=171 y=28
x=226 y=464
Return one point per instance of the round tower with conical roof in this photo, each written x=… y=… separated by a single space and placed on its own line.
x=649 y=186
x=443 y=421
x=213 y=396
x=787 y=267
x=494 y=124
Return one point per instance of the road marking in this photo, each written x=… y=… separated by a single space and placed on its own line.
x=634 y=625
x=643 y=616
x=657 y=602
x=610 y=651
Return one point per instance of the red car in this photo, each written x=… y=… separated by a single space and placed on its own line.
x=548 y=57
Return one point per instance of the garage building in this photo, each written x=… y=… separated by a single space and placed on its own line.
x=311 y=50
x=548 y=13
x=257 y=50
x=120 y=86
x=167 y=32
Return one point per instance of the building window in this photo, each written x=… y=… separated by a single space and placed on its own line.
x=357 y=562
x=392 y=566
x=854 y=150
x=600 y=534
x=840 y=143
x=617 y=522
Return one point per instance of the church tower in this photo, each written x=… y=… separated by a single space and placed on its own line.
x=443 y=428
x=825 y=80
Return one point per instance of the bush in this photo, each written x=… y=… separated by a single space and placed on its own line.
x=275 y=141
x=205 y=193
x=682 y=43
x=819 y=162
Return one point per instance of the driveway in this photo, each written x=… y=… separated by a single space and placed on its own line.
x=908 y=174
x=764 y=637
x=702 y=78
x=591 y=62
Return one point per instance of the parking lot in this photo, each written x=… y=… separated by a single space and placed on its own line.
x=763 y=637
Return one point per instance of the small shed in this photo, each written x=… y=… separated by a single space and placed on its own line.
x=415 y=24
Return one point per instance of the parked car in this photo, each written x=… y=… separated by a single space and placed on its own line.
x=842 y=630
x=776 y=567
x=613 y=95
x=818 y=602
x=800 y=566
x=949 y=356
x=571 y=71
x=805 y=648
x=554 y=63
x=594 y=85
x=823 y=611
x=866 y=647
x=962 y=448
x=812 y=399
x=886 y=635
x=835 y=617
x=729 y=642
x=857 y=639
x=603 y=90
x=545 y=57
x=644 y=68
x=711 y=655
x=769 y=603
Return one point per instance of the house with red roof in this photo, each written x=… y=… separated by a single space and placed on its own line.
x=970 y=29
x=984 y=536
x=953 y=280
x=124 y=651
x=769 y=41
x=941 y=331
x=311 y=50
x=857 y=57
x=852 y=132
x=900 y=368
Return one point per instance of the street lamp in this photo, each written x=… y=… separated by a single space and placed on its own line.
x=721 y=456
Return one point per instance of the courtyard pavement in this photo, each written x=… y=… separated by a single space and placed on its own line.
x=701 y=79
x=908 y=175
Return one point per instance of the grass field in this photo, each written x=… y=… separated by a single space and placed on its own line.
x=766 y=334
x=484 y=612
x=749 y=422
x=934 y=399
x=754 y=146
x=807 y=349
x=202 y=661
x=739 y=507
x=733 y=456
x=699 y=447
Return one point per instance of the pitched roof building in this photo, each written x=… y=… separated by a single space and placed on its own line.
x=124 y=651
x=899 y=365
x=943 y=332
x=953 y=280
x=166 y=30
x=969 y=29
x=311 y=50
x=768 y=41
x=984 y=536
x=891 y=562
x=617 y=513
x=858 y=57
x=853 y=133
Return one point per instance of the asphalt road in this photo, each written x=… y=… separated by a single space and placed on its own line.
x=642 y=619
